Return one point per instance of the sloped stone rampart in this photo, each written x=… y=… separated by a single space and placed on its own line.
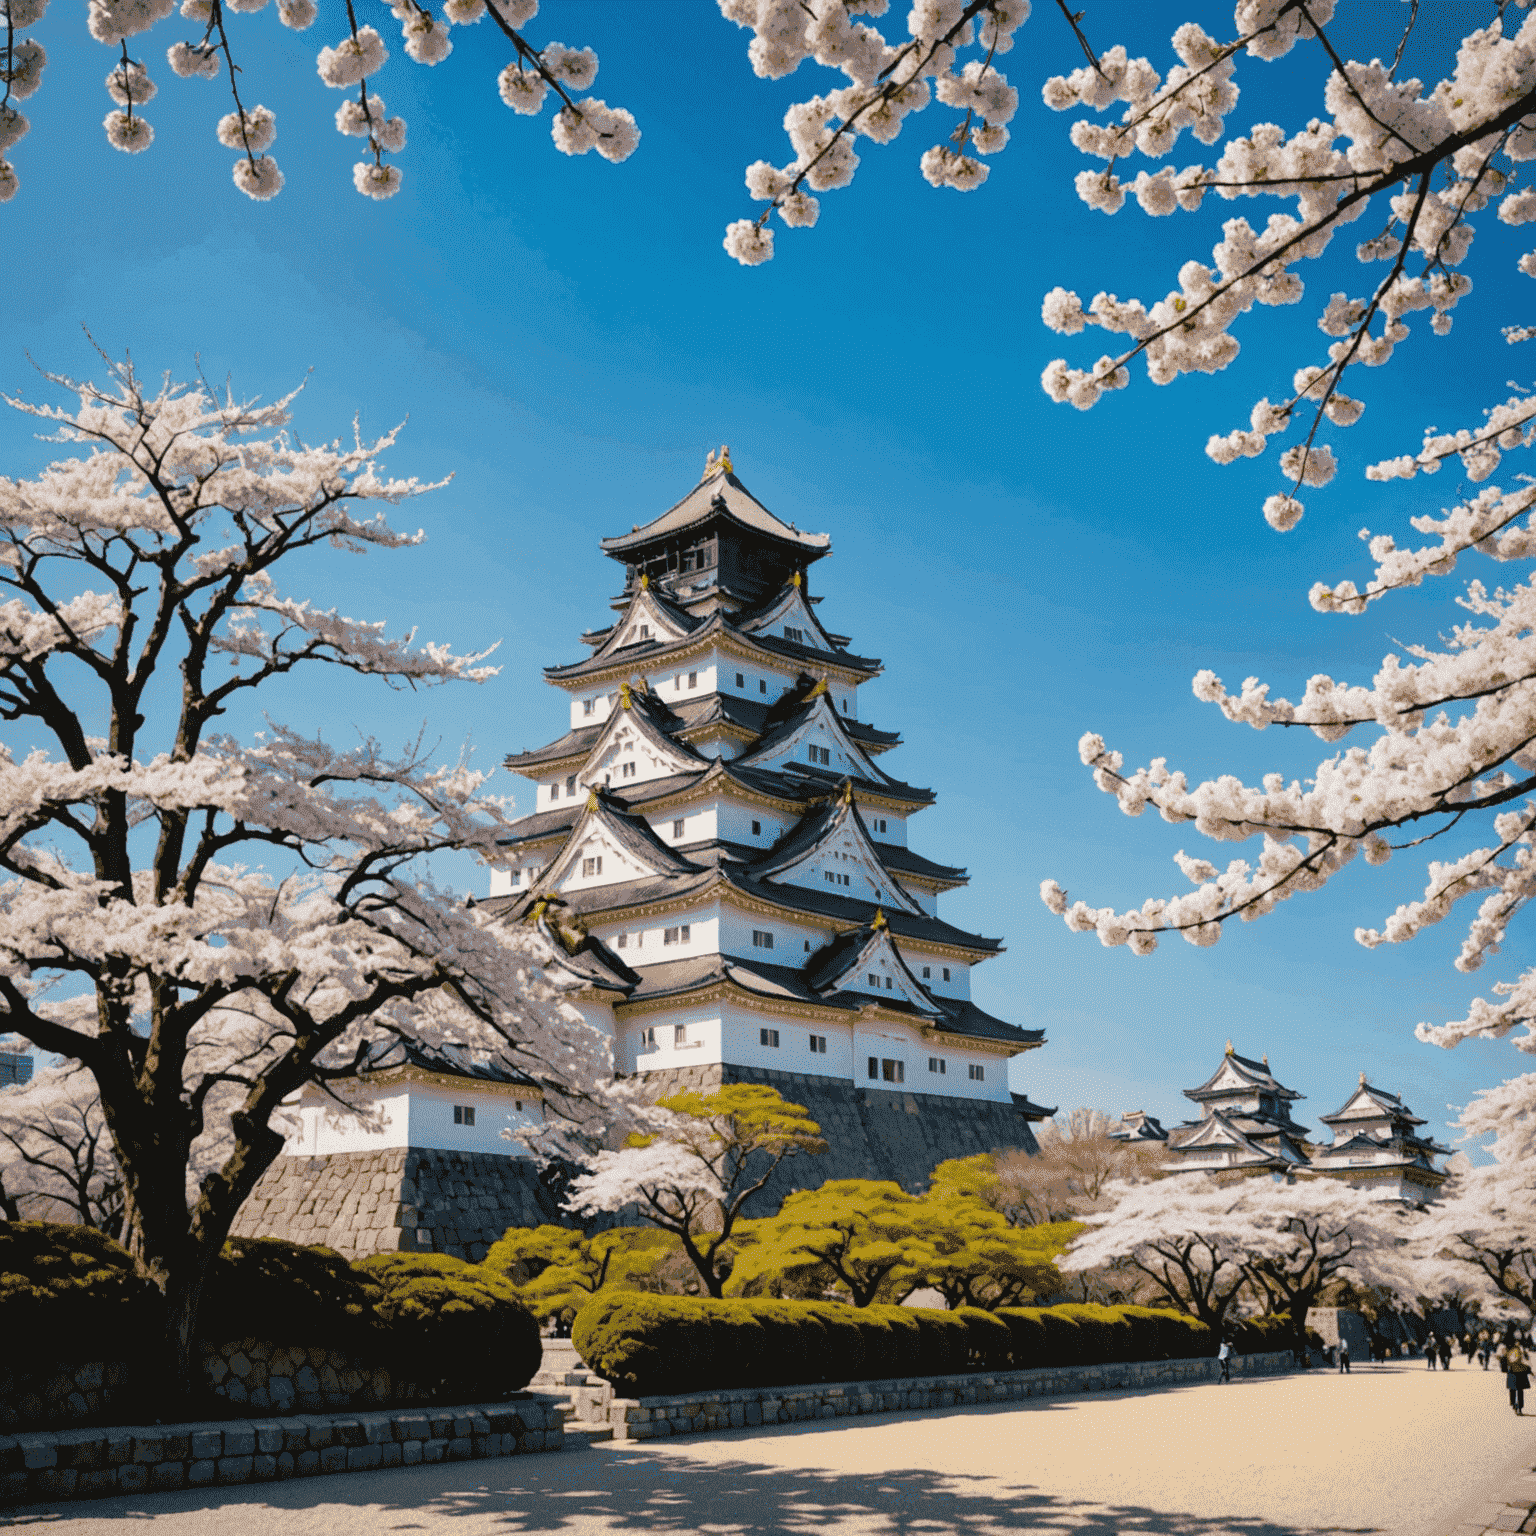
x=414 y=1200
x=693 y=1413
x=872 y=1133
x=92 y=1463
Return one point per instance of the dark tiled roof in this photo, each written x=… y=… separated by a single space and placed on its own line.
x=719 y=494
x=386 y=1055
x=1030 y=1111
x=1256 y=1073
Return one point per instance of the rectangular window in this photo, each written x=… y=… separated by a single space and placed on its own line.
x=978 y=1072
x=622 y=942
x=874 y=980
x=679 y=1034
x=807 y=946
x=757 y=829
x=570 y=785
x=677 y=682
x=588 y=705
x=592 y=866
x=761 y=939
x=821 y=755
x=887 y=983
x=677 y=935
x=880 y=825
x=645 y=631
x=818 y=1045
x=936 y=1064
x=893 y=1071
x=648 y=1038
x=946 y=973
x=463 y=1114
x=627 y=771
x=874 y=1067
x=762 y=685
x=693 y=679
x=797 y=635
x=741 y=682
x=677 y=827
x=926 y=970
x=768 y=1037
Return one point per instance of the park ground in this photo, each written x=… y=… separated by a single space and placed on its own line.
x=1390 y=1449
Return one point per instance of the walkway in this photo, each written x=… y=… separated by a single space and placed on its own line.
x=1391 y=1449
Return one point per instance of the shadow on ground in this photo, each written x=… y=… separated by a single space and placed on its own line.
x=619 y=1489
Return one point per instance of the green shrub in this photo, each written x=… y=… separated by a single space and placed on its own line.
x=456 y=1330
x=265 y=1288
x=1106 y=1334
x=1169 y=1335
x=906 y=1341
x=989 y=1341
x=1262 y=1335
x=70 y=1294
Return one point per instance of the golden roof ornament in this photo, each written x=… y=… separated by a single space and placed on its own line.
x=817 y=691
x=847 y=797
x=716 y=461
x=645 y=581
x=725 y=458
x=624 y=696
x=879 y=919
x=1362 y=1079
x=796 y=580
x=1229 y=1048
x=1265 y=1058
x=591 y=800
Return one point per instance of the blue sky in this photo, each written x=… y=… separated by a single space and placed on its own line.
x=568 y=338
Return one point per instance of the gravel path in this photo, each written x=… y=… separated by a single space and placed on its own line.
x=1391 y=1449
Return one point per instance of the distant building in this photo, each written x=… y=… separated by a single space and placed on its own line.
x=1376 y=1146
x=1245 y=1123
x=14 y=1068
x=1138 y=1125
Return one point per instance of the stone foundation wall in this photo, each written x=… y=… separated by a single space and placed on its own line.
x=71 y=1394
x=412 y=1200
x=91 y=1463
x=651 y=1418
x=872 y=1133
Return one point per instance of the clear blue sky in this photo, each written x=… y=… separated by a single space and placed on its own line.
x=569 y=339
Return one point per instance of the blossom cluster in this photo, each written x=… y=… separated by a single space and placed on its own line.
x=1434 y=154
x=887 y=82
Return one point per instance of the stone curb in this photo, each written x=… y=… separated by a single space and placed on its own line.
x=65 y=1464
x=1510 y=1508
x=650 y=1418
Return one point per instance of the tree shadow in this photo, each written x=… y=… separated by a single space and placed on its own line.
x=629 y=1488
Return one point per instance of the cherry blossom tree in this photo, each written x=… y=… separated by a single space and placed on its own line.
x=203 y=925
x=693 y=1171
x=1202 y=1240
x=56 y=1159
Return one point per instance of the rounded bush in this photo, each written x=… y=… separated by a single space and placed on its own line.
x=71 y=1294
x=266 y=1288
x=456 y=1330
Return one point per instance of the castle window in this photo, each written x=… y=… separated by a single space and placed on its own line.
x=622 y=942
x=936 y=1064
x=946 y=973
x=761 y=939
x=818 y=1045
x=645 y=631
x=807 y=946
x=678 y=935
x=679 y=1034
x=892 y=1071
x=874 y=1067
x=627 y=771
x=768 y=1037
x=693 y=679
x=648 y=1038
x=978 y=1072
x=797 y=635
x=820 y=755
x=463 y=1114
x=593 y=866
x=926 y=970
x=741 y=682
x=762 y=685
x=880 y=825
x=517 y=1104
x=887 y=983
x=588 y=705
x=570 y=784
x=677 y=827
x=874 y=980
x=757 y=829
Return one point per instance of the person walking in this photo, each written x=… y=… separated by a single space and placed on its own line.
x=1445 y=1352
x=1344 y=1357
x=1484 y=1349
x=1429 y=1351
x=1224 y=1354
x=1517 y=1376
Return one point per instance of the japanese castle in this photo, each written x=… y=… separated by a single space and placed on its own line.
x=717 y=860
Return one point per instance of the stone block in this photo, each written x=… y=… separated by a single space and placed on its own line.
x=234 y=1469
x=239 y=1439
x=56 y=1482
x=93 y=1483
x=333 y=1459
x=168 y=1474
x=410 y=1453
x=460 y=1448
x=14 y=1486
x=432 y=1450
x=81 y=1448
x=364 y=1458
x=306 y=1463
x=149 y=1448
x=389 y=1454
x=202 y=1471
x=269 y=1436
x=38 y=1451
x=132 y=1477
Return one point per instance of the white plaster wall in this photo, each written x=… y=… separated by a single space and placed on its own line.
x=603 y=701
x=886 y=1040
x=700 y=822
x=895 y=829
x=743 y=1043
x=927 y=900
x=411 y=1115
x=671 y=685
x=652 y=949
x=789 y=938
x=701 y=1048
x=431 y=1119
x=957 y=986
x=734 y=820
x=753 y=675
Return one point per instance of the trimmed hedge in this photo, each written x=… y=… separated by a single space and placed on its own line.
x=458 y=1331
x=650 y=1345
x=70 y=1294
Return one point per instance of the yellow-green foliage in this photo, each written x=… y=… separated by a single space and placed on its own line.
x=457 y=1328
x=70 y=1293
x=557 y=1270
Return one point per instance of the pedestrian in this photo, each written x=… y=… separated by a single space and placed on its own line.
x=1344 y=1356
x=1484 y=1349
x=1429 y=1351
x=1224 y=1354
x=1517 y=1377
x=1445 y=1353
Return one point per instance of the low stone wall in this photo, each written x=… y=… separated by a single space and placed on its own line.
x=650 y=1418
x=255 y=1376
x=92 y=1463
x=69 y=1394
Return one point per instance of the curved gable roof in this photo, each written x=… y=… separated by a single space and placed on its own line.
x=719 y=494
